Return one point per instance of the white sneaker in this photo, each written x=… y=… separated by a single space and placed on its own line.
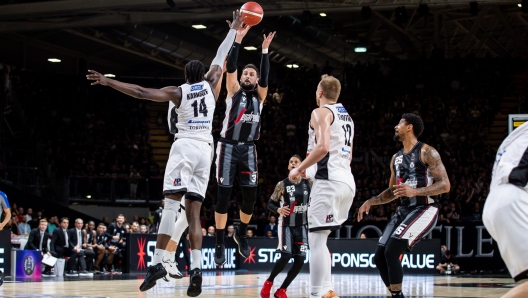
x=172 y=268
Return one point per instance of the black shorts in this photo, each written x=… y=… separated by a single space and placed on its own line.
x=410 y=223
x=293 y=240
x=236 y=158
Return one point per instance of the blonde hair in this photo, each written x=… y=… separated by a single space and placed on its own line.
x=330 y=86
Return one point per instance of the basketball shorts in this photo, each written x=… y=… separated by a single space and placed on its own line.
x=505 y=217
x=411 y=224
x=329 y=204
x=293 y=240
x=232 y=159
x=188 y=167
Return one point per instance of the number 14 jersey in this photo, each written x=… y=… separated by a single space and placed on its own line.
x=335 y=166
x=194 y=118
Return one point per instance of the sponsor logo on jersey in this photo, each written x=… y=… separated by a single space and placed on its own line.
x=196 y=87
x=345 y=153
x=248 y=118
x=341 y=109
x=329 y=218
x=345 y=118
x=300 y=209
x=177 y=182
x=412 y=182
x=197 y=94
x=198 y=127
x=198 y=121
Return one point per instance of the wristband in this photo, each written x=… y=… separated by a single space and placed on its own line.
x=264 y=51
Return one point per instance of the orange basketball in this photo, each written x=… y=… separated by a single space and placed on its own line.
x=253 y=13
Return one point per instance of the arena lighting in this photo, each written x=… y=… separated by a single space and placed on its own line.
x=250 y=48
x=54 y=60
x=88 y=196
x=292 y=66
x=366 y=12
x=360 y=49
x=199 y=26
x=109 y=75
x=520 y=5
x=322 y=14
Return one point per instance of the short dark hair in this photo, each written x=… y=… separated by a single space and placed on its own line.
x=447 y=252
x=194 y=71
x=416 y=121
x=101 y=224
x=297 y=156
x=253 y=67
x=63 y=219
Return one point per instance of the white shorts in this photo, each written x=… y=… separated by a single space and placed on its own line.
x=188 y=167
x=505 y=216
x=329 y=204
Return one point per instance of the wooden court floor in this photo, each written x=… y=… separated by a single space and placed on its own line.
x=240 y=284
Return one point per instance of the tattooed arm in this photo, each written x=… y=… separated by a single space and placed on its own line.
x=383 y=198
x=273 y=203
x=441 y=184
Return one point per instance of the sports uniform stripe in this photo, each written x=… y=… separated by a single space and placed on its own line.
x=415 y=219
x=229 y=106
x=427 y=228
x=519 y=175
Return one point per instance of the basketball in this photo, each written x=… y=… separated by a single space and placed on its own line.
x=253 y=13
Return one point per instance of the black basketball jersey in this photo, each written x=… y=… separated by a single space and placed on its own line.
x=296 y=196
x=410 y=169
x=101 y=239
x=242 y=117
x=89 y=237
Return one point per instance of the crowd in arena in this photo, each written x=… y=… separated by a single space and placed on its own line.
x=101 y=134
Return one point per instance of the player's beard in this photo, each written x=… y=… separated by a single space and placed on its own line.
x=396 y=137
x=248 y=87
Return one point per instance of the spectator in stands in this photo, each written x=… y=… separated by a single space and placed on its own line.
x=20 y=213
x=134 y=180
x=444 y=214
x=230 y=231
x=106 y=221
x=77 y=255
x=211 y=231
x=38 y=240
x=448 y=264
x=157 y=218
x=14 y=225
x=250 y=233
x=53 y=224
x=143 y=229
x=34 y=223
x=271 y=226
x=134 y=227
x=363 y=236
x=29 y=215
x=204 y=232
x=269 y=234
x=23 y=227
x=14 y=209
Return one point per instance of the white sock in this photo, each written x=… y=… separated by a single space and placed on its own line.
x=196 y=256
x=327 y=281
x=169 y=256
x=318 y=265
x=158 y=254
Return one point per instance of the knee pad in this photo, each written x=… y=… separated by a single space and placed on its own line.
x=168 y=217
x=249 y=197
x=222 y=200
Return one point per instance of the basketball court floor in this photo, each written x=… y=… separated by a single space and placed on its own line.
x=247 y=284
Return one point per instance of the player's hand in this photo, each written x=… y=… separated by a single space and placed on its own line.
x=295 y=175
x=241 y=32
x=267 y=40
x=97 y=77
x=364 y=208
x=238 y=21
x=284 y=211
x=404 y=190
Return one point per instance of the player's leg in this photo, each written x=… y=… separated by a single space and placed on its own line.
x=193 y=205
x=225 y=175
x=285 y=247
x=248 y=182
x=379 y=256
x=169 y=256
x=178 y=172
x=299 y=247
x=318 y=261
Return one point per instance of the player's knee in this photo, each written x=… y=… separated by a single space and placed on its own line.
x=222 y=200
x=249 y=196
x=379 y=256
x=286 y=256
x=298 y=259
x=395 y=247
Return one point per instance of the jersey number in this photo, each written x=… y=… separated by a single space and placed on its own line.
x=348 y=134
x=202 y=109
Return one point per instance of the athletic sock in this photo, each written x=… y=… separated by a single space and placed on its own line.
x=242 y=229
x=220 y=233
x=158 y=253
x=196 y=256
x=169 y=256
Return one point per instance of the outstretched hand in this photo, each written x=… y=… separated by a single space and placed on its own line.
x=97 y=77
x=238 y=21
x=268 y=39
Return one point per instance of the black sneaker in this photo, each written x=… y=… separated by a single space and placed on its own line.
x=243 y=246
x=195 y=283
x=219 y=255
x=153 y=274
x=71 y=273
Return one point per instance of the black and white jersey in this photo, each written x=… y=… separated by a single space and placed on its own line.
x=90 y=237
x=511 y=162
x=194 y=117
x=102 y=239
x=296 y=197
x=242 y=117
x=409 y=169
x=335 y=166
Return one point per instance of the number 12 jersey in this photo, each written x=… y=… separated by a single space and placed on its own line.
x=335 y=166
x=194 y=117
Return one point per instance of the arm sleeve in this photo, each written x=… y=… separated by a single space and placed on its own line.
x=224 y=48
x=232 y=58
x=264 y=70
x=273 y=206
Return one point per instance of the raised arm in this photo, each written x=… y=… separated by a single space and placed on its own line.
x=215 y=73
x=383 y=198
x=441 y=184
x=232 y=84
x=264 y=67
x=170 y=93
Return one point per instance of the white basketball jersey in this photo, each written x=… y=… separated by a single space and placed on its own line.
x=194 y=118
x=511 y=162
x=336 y=164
